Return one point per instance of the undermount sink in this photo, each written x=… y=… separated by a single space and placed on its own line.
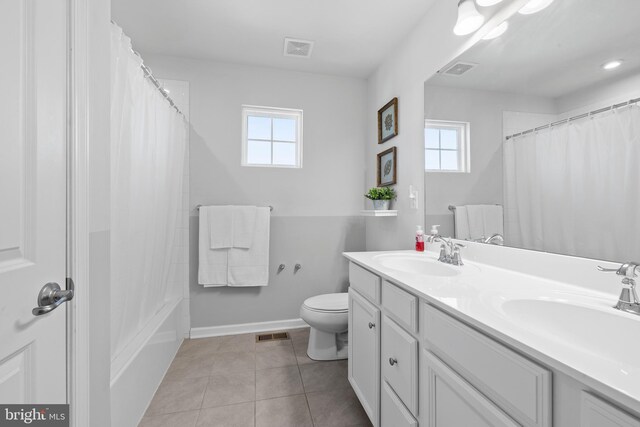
x=419 y=264
x=599 y=330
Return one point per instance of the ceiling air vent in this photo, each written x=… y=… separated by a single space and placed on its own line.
x=458 y=68
x=297 y=47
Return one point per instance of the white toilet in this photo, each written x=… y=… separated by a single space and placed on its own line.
x=328 y=317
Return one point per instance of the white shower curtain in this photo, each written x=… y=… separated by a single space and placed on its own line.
x=148 y=139
x=575 y=188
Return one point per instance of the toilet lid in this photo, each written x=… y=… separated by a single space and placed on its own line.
x=329 y=302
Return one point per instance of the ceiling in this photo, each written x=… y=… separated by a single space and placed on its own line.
x=556 y=52
x=351 y=37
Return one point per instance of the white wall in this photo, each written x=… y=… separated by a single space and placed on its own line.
x=484 y=111
x=428 y=47
x=611 y=91
x=316 y=208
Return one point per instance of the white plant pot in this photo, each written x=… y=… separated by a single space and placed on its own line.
x=381 y=205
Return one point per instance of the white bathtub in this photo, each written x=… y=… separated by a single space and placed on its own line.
x=138 y=370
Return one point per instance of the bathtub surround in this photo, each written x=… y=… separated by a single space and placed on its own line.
x=316 y=208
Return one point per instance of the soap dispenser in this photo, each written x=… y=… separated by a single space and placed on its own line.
x=419 y=239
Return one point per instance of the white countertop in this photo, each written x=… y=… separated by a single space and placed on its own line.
x=598 y=345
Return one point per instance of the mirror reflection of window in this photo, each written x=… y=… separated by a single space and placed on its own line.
x=446 y=145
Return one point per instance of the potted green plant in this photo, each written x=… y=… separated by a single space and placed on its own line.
x=381 y=197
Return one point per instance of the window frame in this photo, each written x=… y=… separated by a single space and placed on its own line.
x=463 y=147
x=272 y=113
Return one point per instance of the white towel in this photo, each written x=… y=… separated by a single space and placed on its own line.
x=484 y=221
x=250 y=267
x=244 y=224
x=461 y=221
x=220 y=225
x=212 y=263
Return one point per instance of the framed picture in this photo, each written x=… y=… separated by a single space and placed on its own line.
x=388 y=121
x=387 y=167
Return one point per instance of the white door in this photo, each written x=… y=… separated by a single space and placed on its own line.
x=364 y=353
x=33 y=55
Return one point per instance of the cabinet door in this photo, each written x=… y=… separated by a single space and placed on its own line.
x=392 y=411
x=451 y=401
x=596 y=412
x=364 y=353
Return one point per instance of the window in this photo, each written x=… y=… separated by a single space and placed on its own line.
x=446 y=146
x=271 y=137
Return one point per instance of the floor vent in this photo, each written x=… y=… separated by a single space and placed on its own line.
x=272 y=337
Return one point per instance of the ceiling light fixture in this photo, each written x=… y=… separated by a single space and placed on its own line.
x=497 y=31
x=612 y=64
x=486 y=3
x=535 y=6
x=469 y=20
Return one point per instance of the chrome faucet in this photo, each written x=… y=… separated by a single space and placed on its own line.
x=496 y=239
x=628 y=300
x=450 y=252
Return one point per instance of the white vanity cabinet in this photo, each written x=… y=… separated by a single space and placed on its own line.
x=413 y=363
x=364 y=339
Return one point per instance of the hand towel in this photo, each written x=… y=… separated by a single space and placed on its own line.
x=475 y=215
x=485 y=221
x=212 y=263
x=220 y=225
x=461 y=221
x=250 y=267
x=244 y=224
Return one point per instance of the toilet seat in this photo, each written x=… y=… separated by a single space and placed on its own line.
x=328 y=303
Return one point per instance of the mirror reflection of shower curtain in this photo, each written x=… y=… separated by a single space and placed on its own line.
x=148 y=141
x=575 y=188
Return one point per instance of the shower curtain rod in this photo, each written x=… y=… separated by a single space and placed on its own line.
x=579 y=116
x=148 y=74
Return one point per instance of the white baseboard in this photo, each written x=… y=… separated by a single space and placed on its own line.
x=244 y=328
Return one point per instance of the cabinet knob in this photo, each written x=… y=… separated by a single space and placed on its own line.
x=393 y=361
x=372 y=325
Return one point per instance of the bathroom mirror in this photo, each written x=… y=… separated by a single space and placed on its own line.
x=568 y=182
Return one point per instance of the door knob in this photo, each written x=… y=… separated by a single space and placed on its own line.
x=392 y=361
x=51 y=296
x=372 y=325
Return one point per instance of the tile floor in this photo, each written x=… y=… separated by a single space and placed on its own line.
x=232 y=381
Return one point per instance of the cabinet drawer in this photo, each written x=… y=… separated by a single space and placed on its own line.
x=401 y=305
x=399 y=360
x=520 y=387
x=365 y=282
x=595 y=412
x=393 y=412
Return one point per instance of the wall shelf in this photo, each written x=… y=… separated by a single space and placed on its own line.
x=379 y=213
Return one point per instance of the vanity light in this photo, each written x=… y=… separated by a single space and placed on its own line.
x=485 y=3
x=535 y=6
x=497 y=31
x=612 y=64
x=469 y=19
